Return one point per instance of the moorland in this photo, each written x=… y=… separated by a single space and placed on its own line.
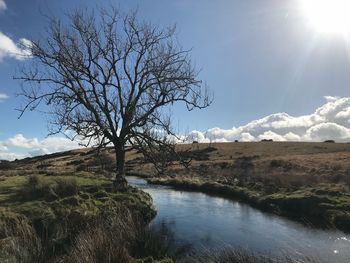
x=61 y=202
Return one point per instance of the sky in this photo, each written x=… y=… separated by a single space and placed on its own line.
x=272 y=72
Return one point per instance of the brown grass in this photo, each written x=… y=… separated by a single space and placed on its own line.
x=309 y=163
x=18 y=239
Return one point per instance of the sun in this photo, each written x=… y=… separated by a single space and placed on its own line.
x=328 y=16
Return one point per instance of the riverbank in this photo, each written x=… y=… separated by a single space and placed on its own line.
x=304 y=181
x=309 y=182
x=74 y=218
x=325 y=205
x=208 y=223
x=78 y=218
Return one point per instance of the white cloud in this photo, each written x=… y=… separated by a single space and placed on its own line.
x=8 y=48
x=33 y=146
x=12 y=156
x=292 y=137
x=268 y=135
x=20 y=141
x=3 y=97
x=47 y=145
x=324 y=131
x=246 y=137
x=331 y=98
x=2 y=5
x=3 y=148
x=330 y=121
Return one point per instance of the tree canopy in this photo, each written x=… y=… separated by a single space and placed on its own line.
x=109 y=78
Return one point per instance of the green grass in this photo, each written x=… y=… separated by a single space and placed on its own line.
x=57 y=209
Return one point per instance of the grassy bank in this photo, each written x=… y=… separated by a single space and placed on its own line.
x=61 y=214
x=325 y=205
x=74 y=219
x=79 y=219
x=304 y=181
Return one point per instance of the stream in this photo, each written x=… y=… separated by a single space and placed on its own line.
x=204 y=222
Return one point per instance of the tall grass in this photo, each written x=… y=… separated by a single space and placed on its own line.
x=107 y=239
x=35 y=187
x=115 y=235
x=66 y=187
x=18 y=240
x=156 y=241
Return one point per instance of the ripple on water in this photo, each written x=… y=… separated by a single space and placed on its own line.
x=212 y=222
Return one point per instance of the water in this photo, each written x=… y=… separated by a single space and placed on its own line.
x=205 y=221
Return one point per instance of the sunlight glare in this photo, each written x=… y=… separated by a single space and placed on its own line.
x=328 y=16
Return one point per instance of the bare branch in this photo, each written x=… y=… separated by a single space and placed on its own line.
x=108 y=80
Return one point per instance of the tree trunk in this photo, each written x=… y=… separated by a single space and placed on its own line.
x=120 y=182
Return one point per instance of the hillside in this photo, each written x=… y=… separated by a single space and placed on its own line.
x=305 y=181
x=309 y=162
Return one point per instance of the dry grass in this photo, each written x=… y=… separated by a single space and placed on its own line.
x=69 y=218
x=114 y=236
x=66 y=187
x=308 y=163
x=18 y=240
x=107 y=239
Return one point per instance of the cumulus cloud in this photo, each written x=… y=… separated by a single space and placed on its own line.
x=20 y=141
x=3 y=97
x=330 y=121
x=324 y=131
x=34 y=146
x=10 y=156
x=8 y=48
x=2 y=5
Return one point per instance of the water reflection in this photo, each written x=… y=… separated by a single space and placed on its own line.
x=212 y=222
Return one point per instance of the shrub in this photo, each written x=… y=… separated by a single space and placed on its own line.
x=156 y=241
x=66 y=187
x=224 y=165
x=43 y=165
x=35 y=188
x=33 y=181
x=81 y=168
x=76 y=162
x=6 y=165
x=245 y=162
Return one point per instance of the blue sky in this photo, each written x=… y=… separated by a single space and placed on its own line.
x=258 y=57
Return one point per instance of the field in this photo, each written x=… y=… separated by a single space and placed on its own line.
x=57 y=196
x=291 y=164
x=307 y=181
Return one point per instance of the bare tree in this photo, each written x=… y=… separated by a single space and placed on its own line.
x=162 y=152
x=110 y=79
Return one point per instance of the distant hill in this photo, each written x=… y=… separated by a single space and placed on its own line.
x=317 y=159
